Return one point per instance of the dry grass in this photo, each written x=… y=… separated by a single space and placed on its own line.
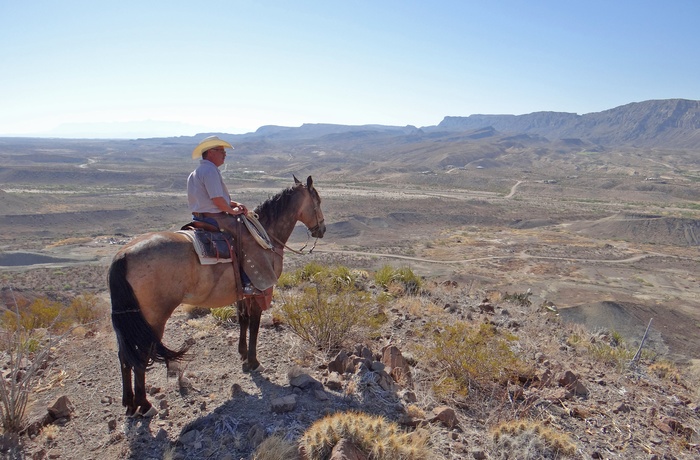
x=275 y=448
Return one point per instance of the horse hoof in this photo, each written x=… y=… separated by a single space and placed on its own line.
x=130 y=412
x=149 y=413
x=248 y=368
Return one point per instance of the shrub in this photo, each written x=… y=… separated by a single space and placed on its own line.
x=41 y=313
x=286 y=280
x=324 y=315
x=530 y=439
x=20 y=379
x=225 y=314
x=336 y=275
x=666 y=370
x=85 y=309
x=409 y=281
x=374 y=435
x=384 y=276
x=471 y=356
x=522 y=298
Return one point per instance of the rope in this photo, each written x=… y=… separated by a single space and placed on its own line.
x=256 y=229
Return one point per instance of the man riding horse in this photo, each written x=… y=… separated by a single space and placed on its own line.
x=210 y=201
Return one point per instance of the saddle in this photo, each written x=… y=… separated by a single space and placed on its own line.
x=249 y=250
x=211 y=245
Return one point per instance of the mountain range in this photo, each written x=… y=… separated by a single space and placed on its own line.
x=668 y=123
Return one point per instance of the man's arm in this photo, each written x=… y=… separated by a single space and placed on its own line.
x=223 y=206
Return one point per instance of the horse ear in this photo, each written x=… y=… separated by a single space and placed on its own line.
x=296 y=181
x=309 y=183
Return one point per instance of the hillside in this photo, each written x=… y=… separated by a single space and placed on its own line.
x=673 y=123
x=578 y=392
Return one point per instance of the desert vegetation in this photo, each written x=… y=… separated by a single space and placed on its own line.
x=481 y=296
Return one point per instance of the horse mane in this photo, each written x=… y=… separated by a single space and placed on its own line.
x=270 y=210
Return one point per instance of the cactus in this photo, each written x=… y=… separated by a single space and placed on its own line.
x=381 y=439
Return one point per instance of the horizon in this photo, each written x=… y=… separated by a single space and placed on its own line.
x=151 y=71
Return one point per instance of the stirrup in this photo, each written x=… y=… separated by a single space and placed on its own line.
x=251 y=291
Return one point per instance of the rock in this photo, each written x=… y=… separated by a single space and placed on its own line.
x=663 y=427
x=321 y=395
x=339 y=363
x=334 y=382
x=346 y=450
x=571 y=382
x=305 y=382
x=444 y=415
x=622 y=407
x=173 y=369
x=62 y=408
x=407 y=420
x=400 y=370
x=153 y=391
x=111 y=425
x=479 y=455
x=256 y=435
x=409 y=396
x=162 y=435
x=356 y=363
x=385 y=381
x=284 y=404
x=189 y=437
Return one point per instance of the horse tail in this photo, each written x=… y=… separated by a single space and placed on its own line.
x=139 y=346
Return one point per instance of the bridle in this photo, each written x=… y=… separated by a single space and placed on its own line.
x=309 y=232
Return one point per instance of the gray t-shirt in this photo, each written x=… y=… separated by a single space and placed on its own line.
x=203 y=184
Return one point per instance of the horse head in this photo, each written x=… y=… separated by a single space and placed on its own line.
x=311 y=214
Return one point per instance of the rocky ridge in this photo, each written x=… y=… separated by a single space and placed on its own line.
x=209 y=408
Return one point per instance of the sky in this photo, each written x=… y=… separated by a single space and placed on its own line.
x=176 y=68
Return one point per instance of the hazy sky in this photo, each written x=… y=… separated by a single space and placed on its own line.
x=233 y=66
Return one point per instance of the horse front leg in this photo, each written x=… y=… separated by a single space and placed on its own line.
x=127 y=389
x=243 y=321
x=254 y=313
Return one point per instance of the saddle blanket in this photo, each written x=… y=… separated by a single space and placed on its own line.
x=211 y=247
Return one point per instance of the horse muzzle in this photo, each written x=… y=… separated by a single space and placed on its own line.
x=319 y=229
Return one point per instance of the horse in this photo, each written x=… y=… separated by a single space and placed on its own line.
x=156 y=272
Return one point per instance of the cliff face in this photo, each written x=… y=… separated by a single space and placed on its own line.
x=672 y=123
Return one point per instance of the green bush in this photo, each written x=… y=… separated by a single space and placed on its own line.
x=85 y=309
x=225 y=314
x=404 y=276
x=21 y=375
x=471 y=356
x=324 y=315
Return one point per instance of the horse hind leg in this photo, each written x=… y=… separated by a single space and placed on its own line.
x=146 y=409
x=127 y=389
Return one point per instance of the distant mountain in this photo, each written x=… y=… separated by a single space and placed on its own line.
x=670 y=123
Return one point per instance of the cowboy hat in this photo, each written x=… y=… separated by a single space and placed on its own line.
x=209 y=143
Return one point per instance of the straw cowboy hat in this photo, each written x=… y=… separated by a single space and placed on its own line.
x=209 y=143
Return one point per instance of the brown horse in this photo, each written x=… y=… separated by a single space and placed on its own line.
x=156 y=272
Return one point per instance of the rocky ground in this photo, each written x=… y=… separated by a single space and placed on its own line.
x=210 y=409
